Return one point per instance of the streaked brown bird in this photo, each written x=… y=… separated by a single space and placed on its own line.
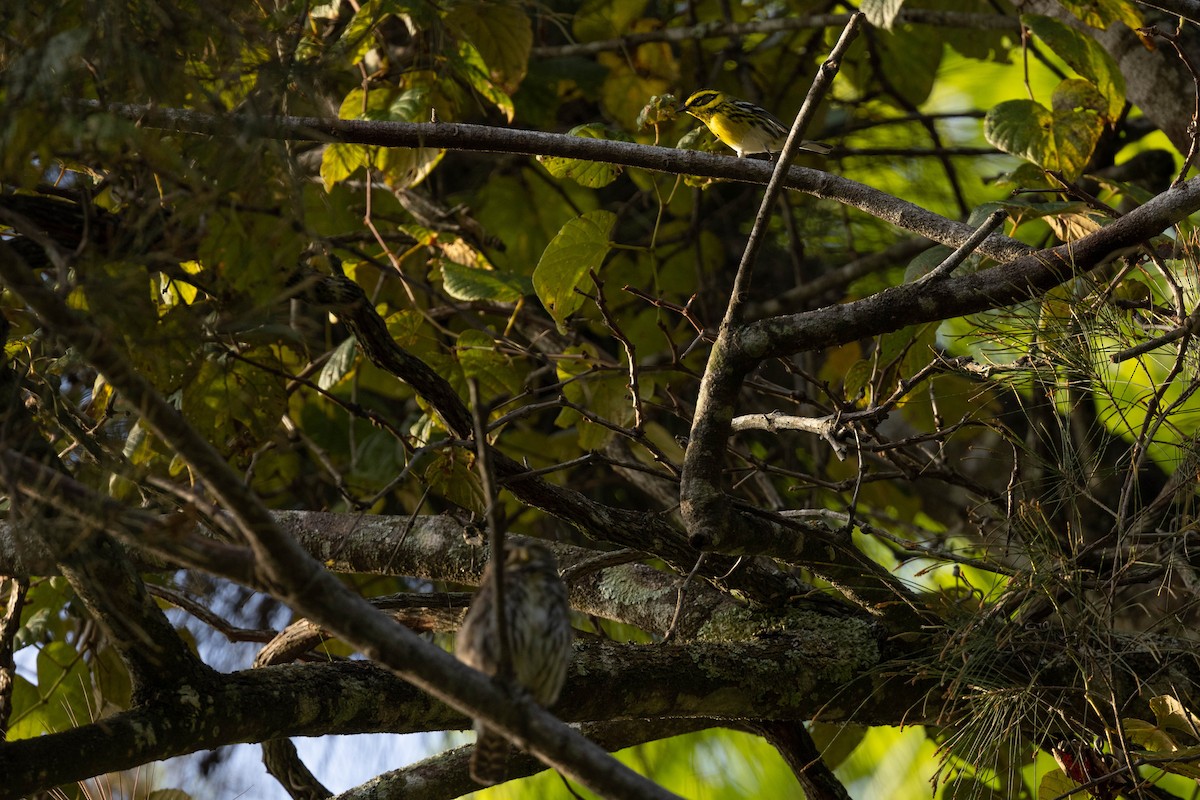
x=539 y=641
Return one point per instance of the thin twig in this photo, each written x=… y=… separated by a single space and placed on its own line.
x=670 y=634
x=630 y=351
x=495 y=529
x=824 y=78
x=952 y=261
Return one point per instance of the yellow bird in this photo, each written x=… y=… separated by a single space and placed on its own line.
x=743 y=126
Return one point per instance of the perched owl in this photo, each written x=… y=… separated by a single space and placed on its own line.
x=539 y=640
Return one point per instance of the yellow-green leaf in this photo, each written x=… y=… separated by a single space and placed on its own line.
x=480 y=359
x=1147 y=735
x=1055 y=140
x=881 y=13
x=503 y=35
x=605 y=19
x=473 y=283
x=1174 y=715
x=339 y=161
x=592 y=174
x=470 y=66
x=1085 y=55
x=1056 y=784
x=580 y=246
x=1102 y=13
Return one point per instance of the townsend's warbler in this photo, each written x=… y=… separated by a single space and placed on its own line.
x=743 y=126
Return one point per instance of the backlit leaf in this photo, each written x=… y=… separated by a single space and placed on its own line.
x=581 y=245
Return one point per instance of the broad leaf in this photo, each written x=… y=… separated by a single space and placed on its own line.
x=592 y=174
x=1061 y=141
x=881 y=13
x=475 y=283
x=1085 y=55
x=580 y=246
x=503 y=35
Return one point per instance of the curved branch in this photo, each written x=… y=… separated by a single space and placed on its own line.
x=651 y=533
x=783 y=677
x=454 y=136
x=831 y=670
x=722 y=30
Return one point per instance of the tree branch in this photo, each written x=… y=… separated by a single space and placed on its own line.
x=483 y=138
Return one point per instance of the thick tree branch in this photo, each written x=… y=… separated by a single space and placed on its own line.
x=796 y=745
x=433 y=548
x=787 y=676
x=1003 y=285
x=453 y=136
x=831 y=670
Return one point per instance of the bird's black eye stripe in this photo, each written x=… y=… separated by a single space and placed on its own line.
x=702 y=99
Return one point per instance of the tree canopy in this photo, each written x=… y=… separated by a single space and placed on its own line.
x=308 y=306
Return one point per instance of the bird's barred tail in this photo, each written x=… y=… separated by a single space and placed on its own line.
x=489 y=761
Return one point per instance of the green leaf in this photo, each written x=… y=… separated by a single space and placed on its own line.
x=592 y=174
x=1184 y=762
x=1174 y=715
x=1147 y=735
x=451 y=474
x=658 y=110
x=1076 y=94
x=470 y=66
x=63 y=685
x=472 y=283
x=357 y=39
x=1085 y=55
x=605 y=19
x=910 y=57
x=340 y=363
x=479 y=358
x=1102 y=13
x=400 y=167
x=112 y=678
x=836 y=742
x=406 y=167
x=503 y=35
x=1055 y=140
x=857 y=378
x=603 y=392
x=29 y=717
x=231 y=397
x=581 y=245
x=1056 y=784
x=881 y=13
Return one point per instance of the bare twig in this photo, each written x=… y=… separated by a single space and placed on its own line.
x=825 y=427
x=943 y=270
x=741 y=283
x=630 y=352
x=495 y=530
